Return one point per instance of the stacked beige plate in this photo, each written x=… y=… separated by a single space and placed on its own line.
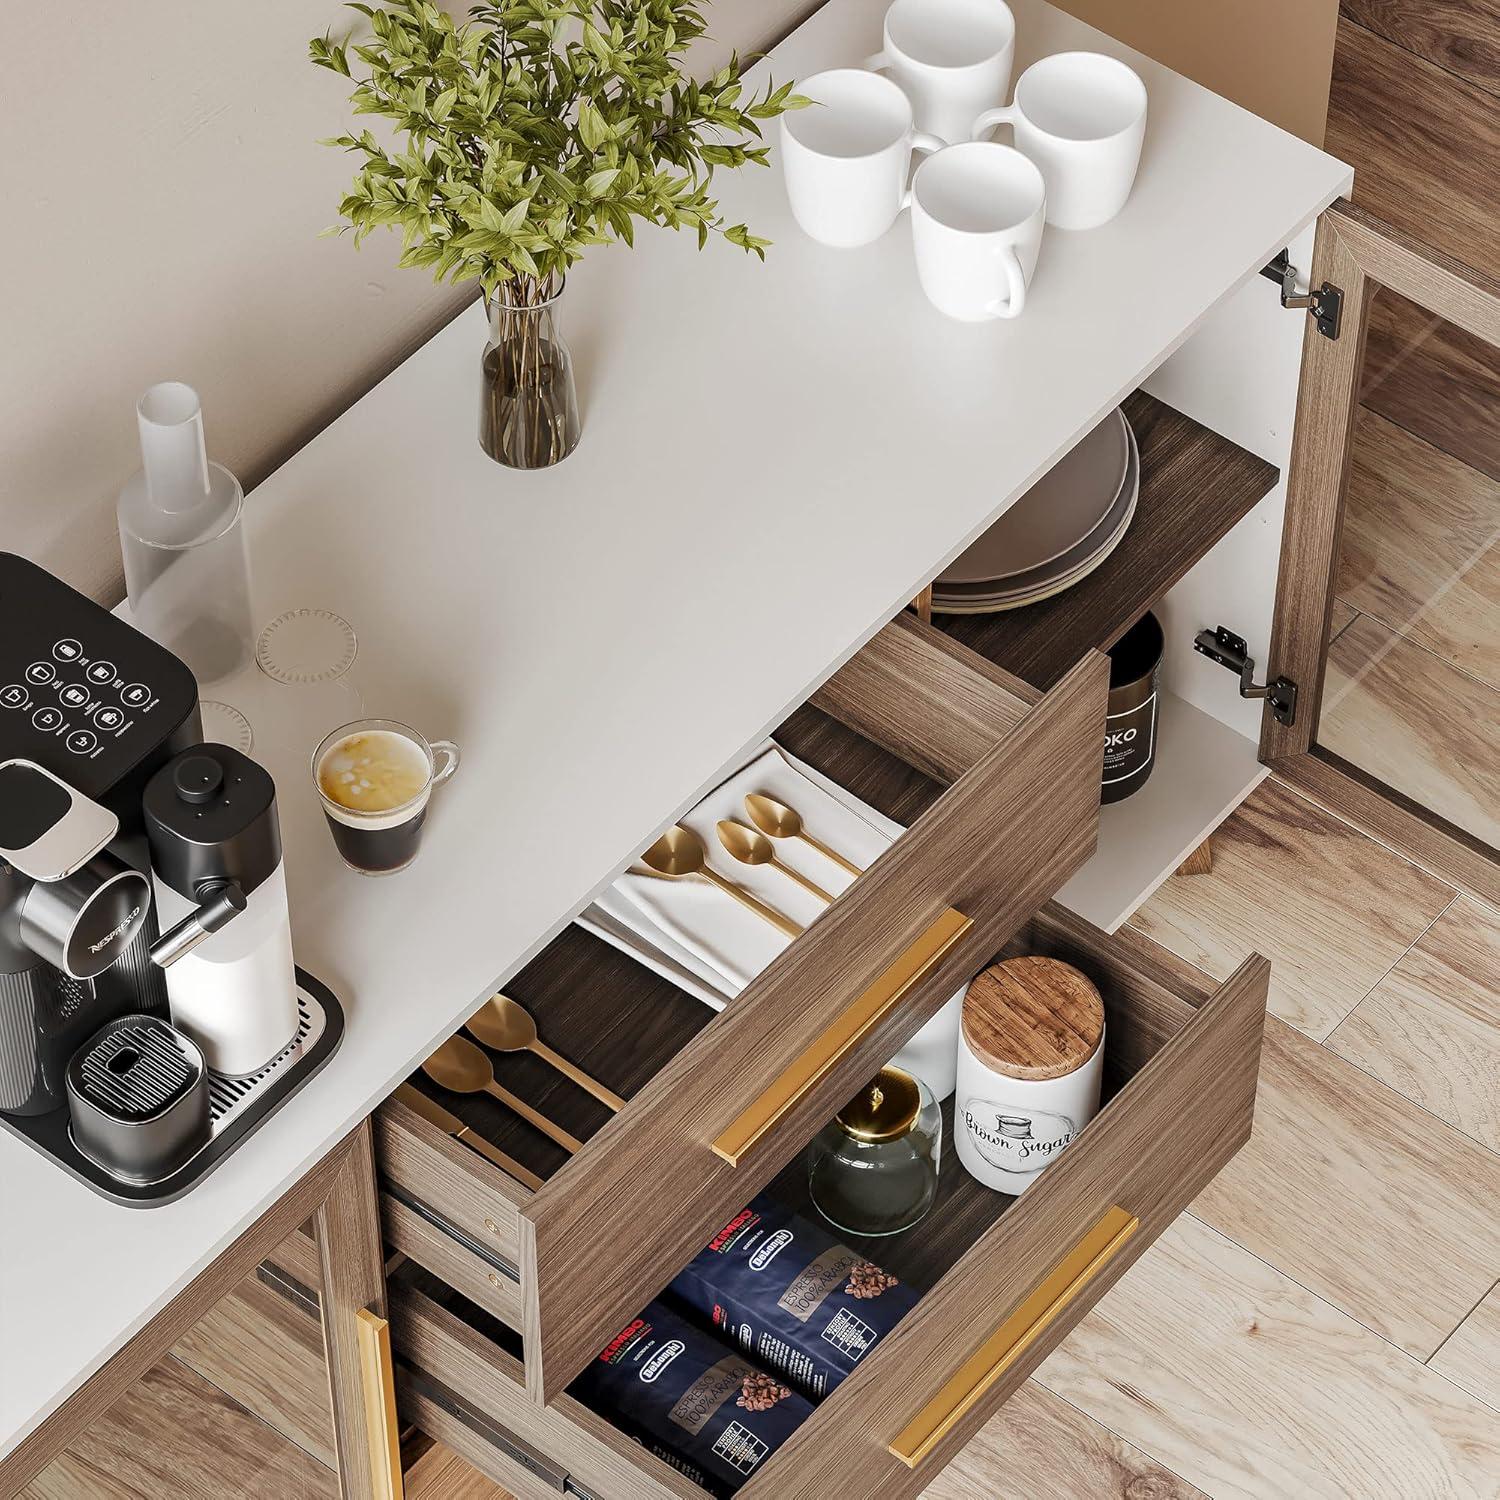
x=1056 y=534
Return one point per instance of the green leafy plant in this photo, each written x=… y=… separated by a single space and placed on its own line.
x=534 y=129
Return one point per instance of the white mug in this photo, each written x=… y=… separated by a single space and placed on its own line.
x=846 y=156
x=1080 y=116
x=952 y=59
x=977 y=211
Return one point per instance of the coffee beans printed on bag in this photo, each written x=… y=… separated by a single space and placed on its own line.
x=792 y=1297
x=690 y=1399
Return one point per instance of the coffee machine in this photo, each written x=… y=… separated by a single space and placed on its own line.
x=90 y=710
x=137 y=1057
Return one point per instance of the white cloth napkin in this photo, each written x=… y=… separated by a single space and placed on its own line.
x=706 y=943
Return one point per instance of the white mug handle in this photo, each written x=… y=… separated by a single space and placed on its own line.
x=1015 y=304
x=1005 y=114
x=876 y=61
x=926 y=144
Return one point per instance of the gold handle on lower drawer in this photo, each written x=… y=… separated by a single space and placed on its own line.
x=836 y=1041
x=378 y=1377
x=1013 y=1337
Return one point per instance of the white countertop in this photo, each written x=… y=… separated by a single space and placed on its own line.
x=774 y=458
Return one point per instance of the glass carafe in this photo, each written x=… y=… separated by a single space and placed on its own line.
x=182 y=538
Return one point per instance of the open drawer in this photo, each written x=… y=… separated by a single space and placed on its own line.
x=1004 y=1279
x=717 y=1104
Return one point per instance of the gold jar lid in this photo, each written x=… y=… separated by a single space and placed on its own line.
x=885 y=1109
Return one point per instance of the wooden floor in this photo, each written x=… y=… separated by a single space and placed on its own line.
x=1324 y=1323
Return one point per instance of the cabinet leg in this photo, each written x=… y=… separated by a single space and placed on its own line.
x=923 y=605
x=355 y=1335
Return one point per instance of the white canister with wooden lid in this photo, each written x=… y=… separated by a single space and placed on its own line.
x=1030 y=1058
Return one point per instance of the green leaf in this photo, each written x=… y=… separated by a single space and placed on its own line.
x=525 y=132
x=592 y=128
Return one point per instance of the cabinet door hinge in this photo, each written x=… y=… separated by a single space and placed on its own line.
x=1233 y=651
x=1326 y=304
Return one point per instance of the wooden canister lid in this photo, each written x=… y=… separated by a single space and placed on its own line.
x=1032 y=1017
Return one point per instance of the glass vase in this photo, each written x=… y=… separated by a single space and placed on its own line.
x=528 y=408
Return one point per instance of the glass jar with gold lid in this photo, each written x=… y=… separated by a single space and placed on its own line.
x=873 y=1169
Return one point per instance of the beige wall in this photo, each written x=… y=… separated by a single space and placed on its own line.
x=1274 y=57
x=163 y=194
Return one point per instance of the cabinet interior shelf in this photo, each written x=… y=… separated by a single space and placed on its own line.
x=1195 y=485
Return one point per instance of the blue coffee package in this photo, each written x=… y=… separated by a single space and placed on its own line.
x=792 y=1297
x=693 y=1401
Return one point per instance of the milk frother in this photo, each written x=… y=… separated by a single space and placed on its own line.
x=216 y=863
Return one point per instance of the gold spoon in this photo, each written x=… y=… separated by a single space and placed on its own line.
x=507 y=1026
x=751 y=847
x=462 y=1068
x=778 y=821
x=679 y=852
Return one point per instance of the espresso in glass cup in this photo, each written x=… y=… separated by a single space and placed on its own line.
x=375 y=778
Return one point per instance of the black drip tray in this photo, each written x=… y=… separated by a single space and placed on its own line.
x=237 y=1106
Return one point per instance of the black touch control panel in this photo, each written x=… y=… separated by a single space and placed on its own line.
x=81 y=692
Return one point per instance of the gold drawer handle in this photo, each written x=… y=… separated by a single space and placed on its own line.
x=1013 y=1337
x=839 y=1038
x=378 y=1377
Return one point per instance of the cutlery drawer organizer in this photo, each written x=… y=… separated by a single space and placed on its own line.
x=1000 y=786
x=1003 y=1279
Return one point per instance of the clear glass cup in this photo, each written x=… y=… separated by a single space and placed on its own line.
x=375 y=778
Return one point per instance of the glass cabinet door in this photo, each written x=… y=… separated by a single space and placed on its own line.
x=1411 y=686
x=1393 y=543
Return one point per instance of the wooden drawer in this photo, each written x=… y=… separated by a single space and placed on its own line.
x=1009 y=780
x=1003 y=1279
x=425 y=1237
x=461 y=1380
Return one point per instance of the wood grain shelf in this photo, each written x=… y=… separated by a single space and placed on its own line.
x=1195 y=485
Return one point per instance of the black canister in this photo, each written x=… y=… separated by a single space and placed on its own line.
x=1130 y=729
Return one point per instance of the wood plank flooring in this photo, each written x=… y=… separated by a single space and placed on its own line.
x=1387 y=1183
x=1431 y=1027
x=175 y=1436
x=1325 y=1322
x=441 y=1474
x=1330 y=909
x=1471 y=1357
x=1251 y=1387
x=1418 y=724
x=264 y=1354
x=1043 y=1446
